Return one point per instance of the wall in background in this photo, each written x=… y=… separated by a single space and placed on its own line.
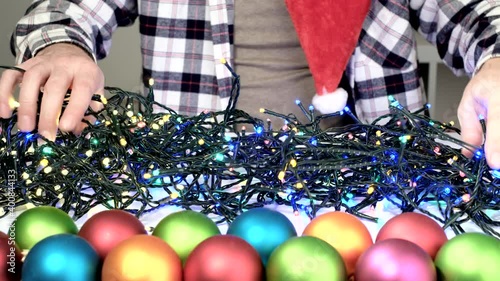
x=122 y=67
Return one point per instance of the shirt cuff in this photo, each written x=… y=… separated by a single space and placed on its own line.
x=48 y=35
x=483 y=60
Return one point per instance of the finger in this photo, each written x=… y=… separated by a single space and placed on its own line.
x=471 y=131
x=492 y=148
x=96 y=106
x=33 y=79
x=9 y=80
x=83 y=87
x=53 y=96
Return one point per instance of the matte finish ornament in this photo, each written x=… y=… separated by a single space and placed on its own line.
x=36 y=224
x=224 y=258
x=343 y=231
x=184 y=230
x=142 y=258
x=417 y=228
x=264 y=229
x=10 y=259
x=62 y=257
x=395 y=259
x=108 y=228
x=469 y=256
x=305 y=258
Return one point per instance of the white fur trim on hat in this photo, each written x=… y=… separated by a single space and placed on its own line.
x=330 y=102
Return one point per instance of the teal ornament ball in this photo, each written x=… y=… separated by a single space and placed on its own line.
x=62 y=257
x=469 y=256
x=306 y=258
x=264 y=229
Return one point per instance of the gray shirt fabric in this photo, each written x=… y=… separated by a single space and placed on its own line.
x=270 y=61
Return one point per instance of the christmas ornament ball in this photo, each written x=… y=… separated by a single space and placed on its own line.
x=469 y=256
x=395 y=259
x=264 y=229
x=224 y=258
x=107 y=229
x=305 y=258
x=184 y=230
x=62 y=257
x=343 y=231
x=142 y=258
x=35 y=224
x=417 y=228
x=10 y=259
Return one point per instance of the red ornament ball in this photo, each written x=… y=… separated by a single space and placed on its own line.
x=108 y=228
x=224 y=258
x=395 y=259
x=10 y=259
x=417 y=228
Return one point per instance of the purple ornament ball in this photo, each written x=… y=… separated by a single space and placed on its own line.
x=395 y=259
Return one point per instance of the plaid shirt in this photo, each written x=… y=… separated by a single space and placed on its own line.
x=183 y=41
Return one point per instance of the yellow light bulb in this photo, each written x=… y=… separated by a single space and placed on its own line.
x=44 y=162
x=123 y=142
x=174 y=195
x=299 y=185
x=47 y=170
x=64 y=172
x=293 y=163
x=201 y=142
x=281 y=175
x=104 y=100
x=370 y=190
x=146 y=176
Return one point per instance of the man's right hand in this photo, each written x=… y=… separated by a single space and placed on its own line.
x=57 y=68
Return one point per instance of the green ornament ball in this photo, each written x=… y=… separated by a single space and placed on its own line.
x=305 y=258
x=469 y=256
x=36 y=224
x=184 y=230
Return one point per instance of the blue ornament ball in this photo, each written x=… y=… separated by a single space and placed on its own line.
x=264 y=229
x=62 y=257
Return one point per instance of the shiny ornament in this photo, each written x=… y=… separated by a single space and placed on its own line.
x=417 y=228
x=264 y=229
x=62 y=257
x=469 y=256
x=142 y=258
x=184 y=230
x=345 y=232
x=305 y=258
x=107 y=229
x=395 y=259
x=36 y=224
x=224 y=258
x=10 y=259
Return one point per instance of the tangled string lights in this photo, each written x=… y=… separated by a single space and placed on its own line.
x=137 y=159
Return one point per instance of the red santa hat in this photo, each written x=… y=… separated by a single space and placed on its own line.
x=328 y=31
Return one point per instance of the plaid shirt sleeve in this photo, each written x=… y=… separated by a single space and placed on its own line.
x=86 y=23
x=465 y=32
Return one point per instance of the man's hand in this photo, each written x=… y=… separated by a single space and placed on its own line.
x=56 y=68
x=482 y=98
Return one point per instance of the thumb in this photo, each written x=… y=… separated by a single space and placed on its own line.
x=492 y=149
